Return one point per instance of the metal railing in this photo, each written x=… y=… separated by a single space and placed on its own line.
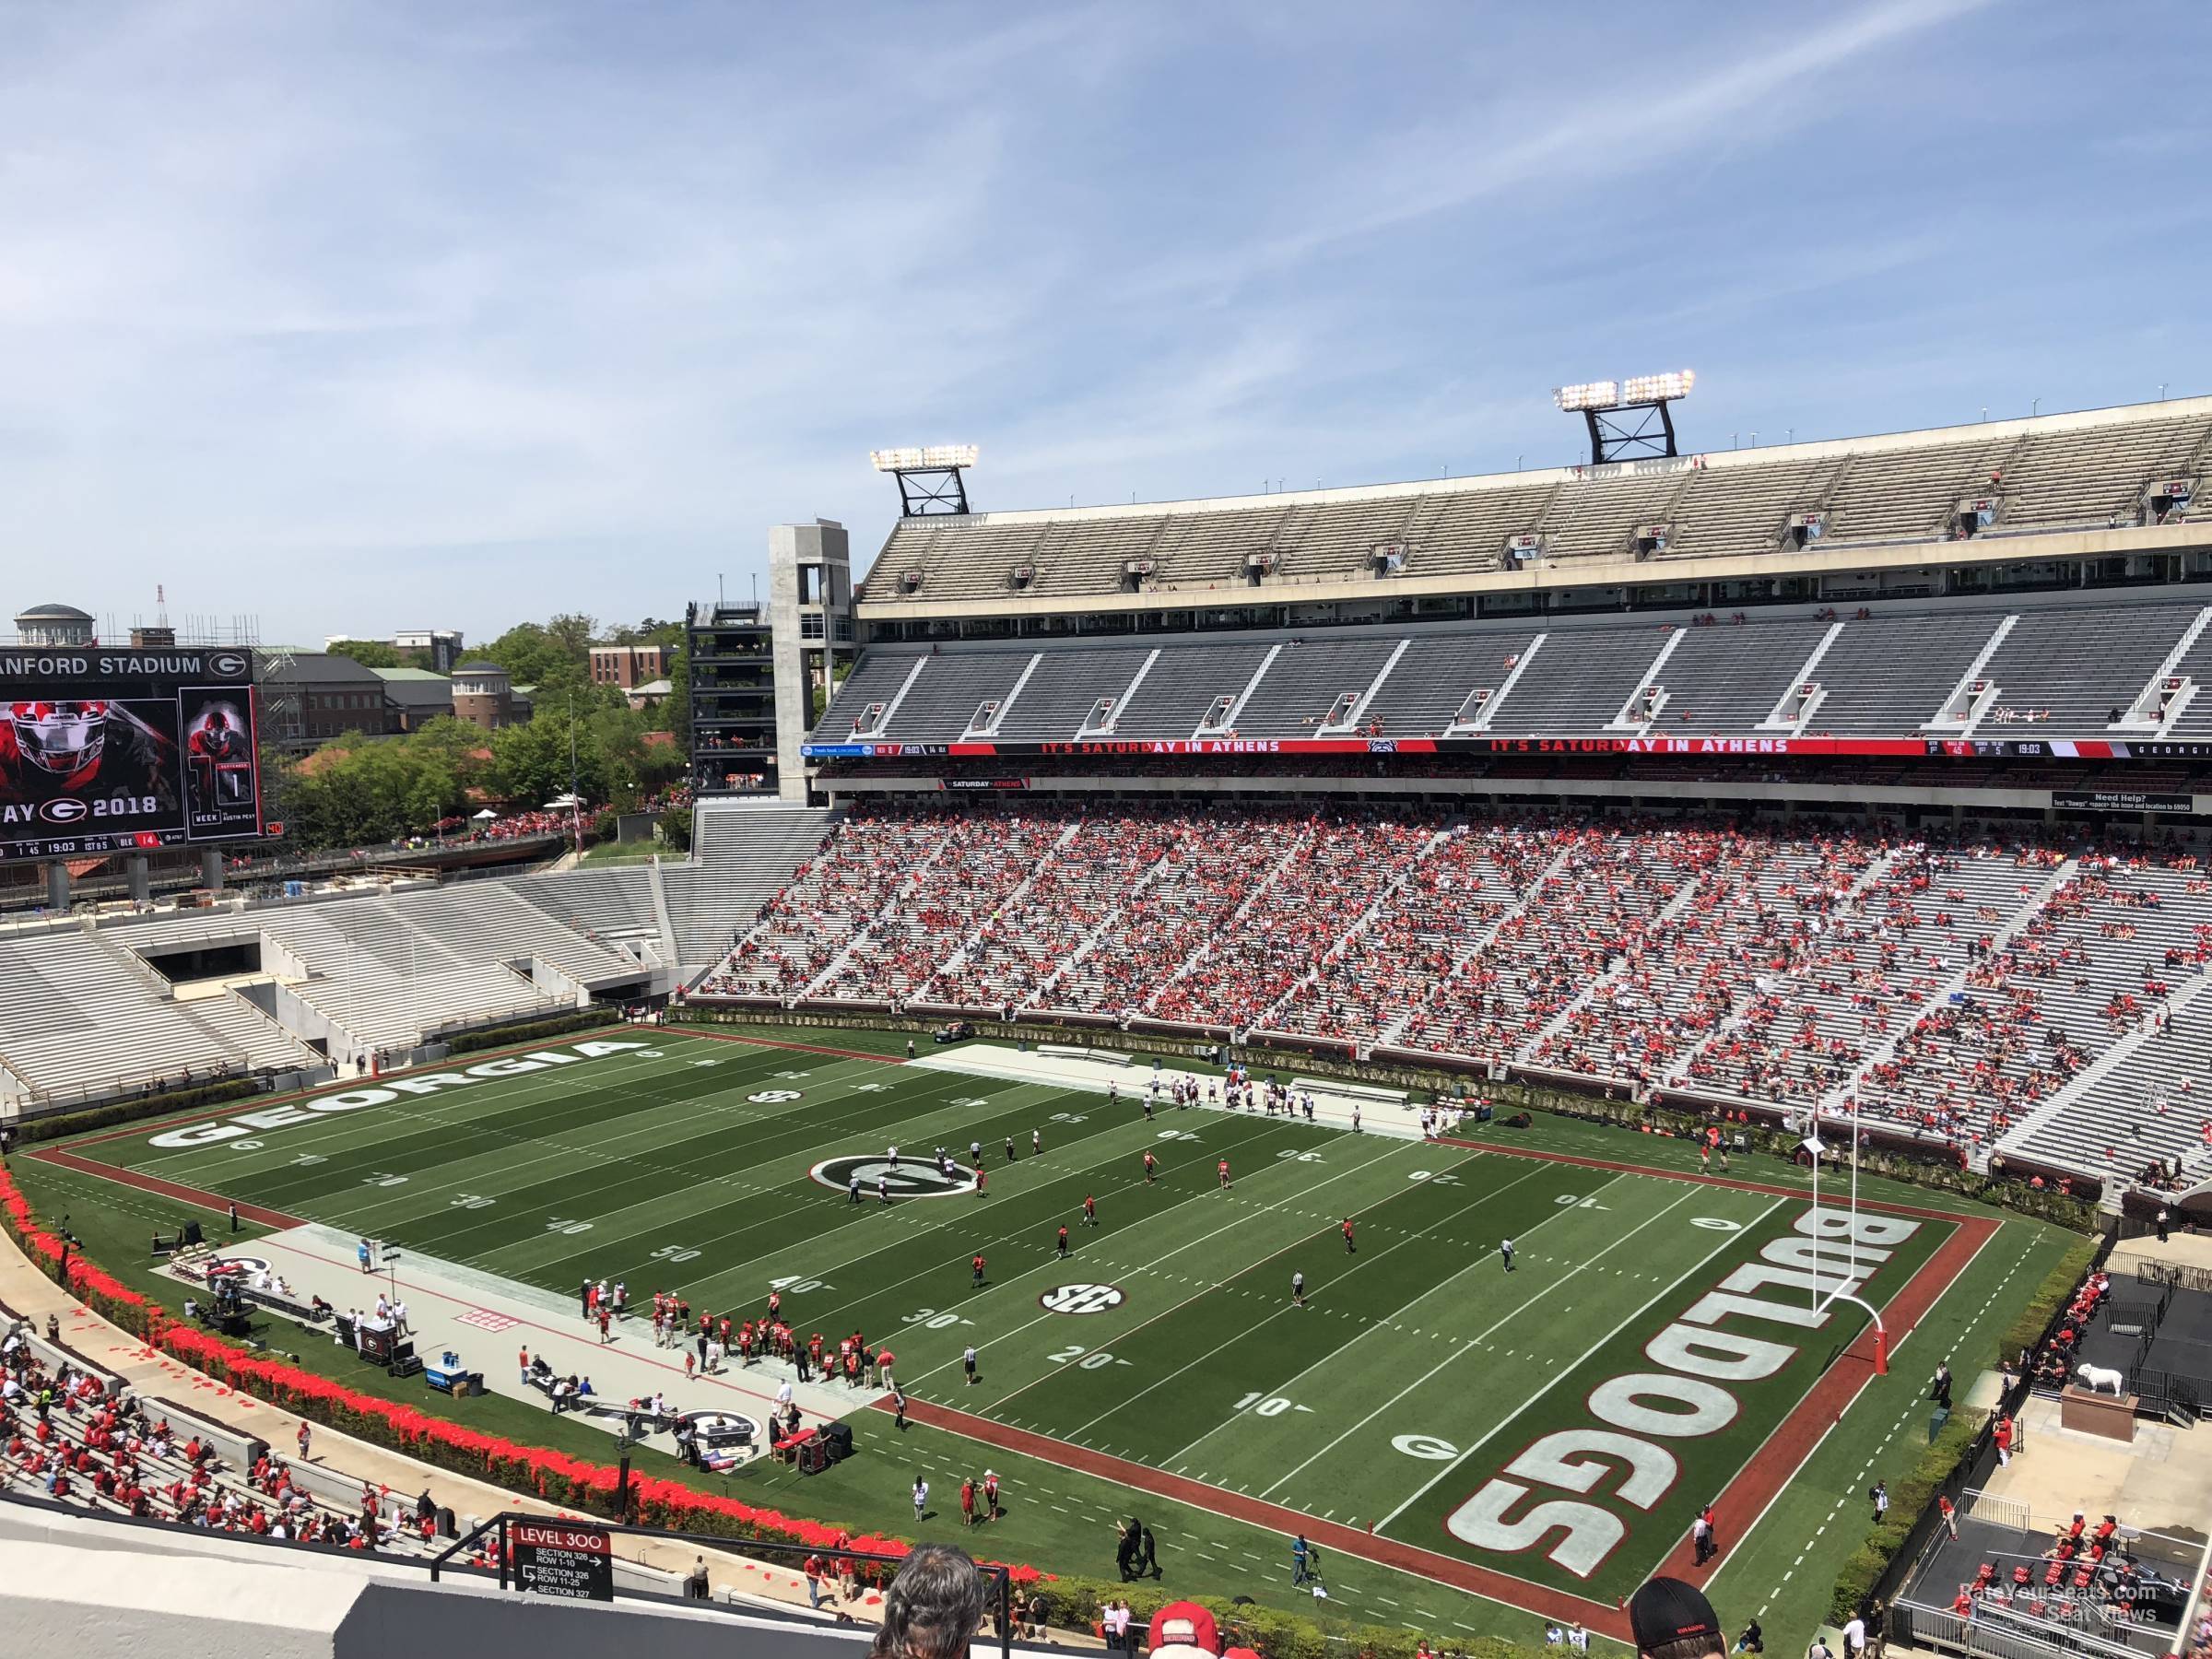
x=511 y=1578
x=1993 y=1633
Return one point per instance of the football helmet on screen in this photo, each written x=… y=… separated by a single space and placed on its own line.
x=62 y=737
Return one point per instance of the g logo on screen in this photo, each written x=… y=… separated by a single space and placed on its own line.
x=64 y=811
x=914 y=1178
x=228 y=664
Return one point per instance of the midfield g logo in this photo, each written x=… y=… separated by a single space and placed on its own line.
x=913 y=1176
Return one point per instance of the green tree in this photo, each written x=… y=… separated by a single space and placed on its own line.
x=357 y=790
x=531 y=761
x=370 y=653
x=574 y=632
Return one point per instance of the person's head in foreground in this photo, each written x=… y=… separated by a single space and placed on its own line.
x=934 y=1607
x=1183 y=1631
x=1673 y=1620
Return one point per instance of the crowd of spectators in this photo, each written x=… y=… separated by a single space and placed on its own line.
x=2085 y=1567
x=72 y=1435
x=2052 y=1364
x=1948 y=987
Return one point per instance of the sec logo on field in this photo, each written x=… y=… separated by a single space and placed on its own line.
x=911 y=1179
x=1081 y=1298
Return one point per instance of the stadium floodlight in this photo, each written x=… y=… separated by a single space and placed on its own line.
x=931 y=476
x=1656 y=388
x=1590 y=395
x=922 y=457
x=1628 y=420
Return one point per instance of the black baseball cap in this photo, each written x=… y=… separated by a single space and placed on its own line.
x=1666 y=1610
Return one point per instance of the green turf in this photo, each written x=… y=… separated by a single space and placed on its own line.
x=1420 y=1369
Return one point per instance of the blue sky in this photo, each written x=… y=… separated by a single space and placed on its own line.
x=354 y=317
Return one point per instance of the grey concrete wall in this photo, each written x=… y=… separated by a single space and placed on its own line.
x=98 y=1591
x=788 y=545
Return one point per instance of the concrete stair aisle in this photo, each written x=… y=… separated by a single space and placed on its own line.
x=972 y=937
x=1236 y=917
x=1954 y=983
x=1868 y=878
x=1366 y=920
x=1474 y=947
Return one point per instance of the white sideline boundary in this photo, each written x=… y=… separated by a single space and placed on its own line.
x=485 y=1318
x=1399 y=1119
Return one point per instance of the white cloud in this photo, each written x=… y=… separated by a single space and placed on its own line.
x=355 y=316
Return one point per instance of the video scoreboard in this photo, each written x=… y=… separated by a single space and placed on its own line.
x=114 y=749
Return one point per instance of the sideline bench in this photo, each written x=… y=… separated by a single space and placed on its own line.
x=1061 y=1051
x=1320 y=1087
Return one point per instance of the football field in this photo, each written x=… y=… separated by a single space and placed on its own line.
x=1540 y=1434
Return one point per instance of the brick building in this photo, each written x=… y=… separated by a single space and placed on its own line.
x=628 y=666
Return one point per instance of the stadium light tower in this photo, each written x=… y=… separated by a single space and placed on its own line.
x=1628 y=419
x=931 y=476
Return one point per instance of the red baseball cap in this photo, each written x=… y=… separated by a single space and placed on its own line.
x=1184 y=1624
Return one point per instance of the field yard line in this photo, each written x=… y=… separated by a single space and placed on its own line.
x=411 y=1107
x=1388 y=1149
x=1727 y=1239
x=689 y=1109
x=347 y=1138
x=1482 y=1261
x=700 y=1109
x=1471 y=1266
x=1287 y=1307
x=676 y=1171
x=816 y=1271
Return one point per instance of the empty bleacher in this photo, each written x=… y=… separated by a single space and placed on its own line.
x=1307 y=676
x=2075 y=670
x=1178 y=691
x=1727 y=678
x=1745 y=509
x=2064 y=669
x=1888 y=681
x=2091 y=475
x=1578 y=682
x=1439 y=672
x=947 y=693
x=1463 y=533
x=742 y=856
x=396 y=1012
x=1061 y=694
x=2049 y=473
x=612 y=901
x=77 y=1015
x=490 y=921
x=263 y=1041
